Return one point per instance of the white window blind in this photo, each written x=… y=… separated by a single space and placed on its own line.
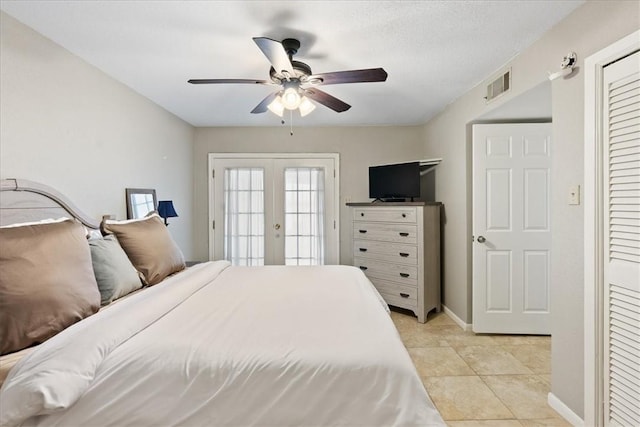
x=304 y=216
x=244 y=216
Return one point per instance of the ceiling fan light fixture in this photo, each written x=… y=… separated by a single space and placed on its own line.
x=276 y=106
x=291 y=98
x=306 y=106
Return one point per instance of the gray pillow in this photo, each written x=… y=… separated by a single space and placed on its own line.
x=114 y=273
x=148 y=245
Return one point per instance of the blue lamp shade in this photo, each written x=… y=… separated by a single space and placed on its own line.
x=166 y=210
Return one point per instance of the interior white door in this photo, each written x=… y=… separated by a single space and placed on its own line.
x=274 y=209
x=622 y=242
x=511 y=228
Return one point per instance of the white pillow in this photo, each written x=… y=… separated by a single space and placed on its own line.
x=127 y=221
x=93 y=234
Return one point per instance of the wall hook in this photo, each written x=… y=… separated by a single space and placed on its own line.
x=566 y=66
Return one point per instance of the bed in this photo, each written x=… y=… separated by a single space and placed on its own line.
x=218 y=345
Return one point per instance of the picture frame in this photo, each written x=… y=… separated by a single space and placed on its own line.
x=140 y=202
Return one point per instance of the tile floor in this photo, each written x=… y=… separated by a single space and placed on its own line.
x=481 y=380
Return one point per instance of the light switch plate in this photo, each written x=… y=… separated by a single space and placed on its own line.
x=574 y=195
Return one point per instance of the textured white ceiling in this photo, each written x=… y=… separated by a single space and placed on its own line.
x=434 y=51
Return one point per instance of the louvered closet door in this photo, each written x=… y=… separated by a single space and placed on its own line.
x=622 y=242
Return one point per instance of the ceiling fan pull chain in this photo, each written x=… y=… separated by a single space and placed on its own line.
x=291 y=121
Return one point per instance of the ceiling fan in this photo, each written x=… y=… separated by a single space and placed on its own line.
x=297 y=83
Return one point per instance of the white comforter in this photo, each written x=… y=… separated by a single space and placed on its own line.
x=227 y=346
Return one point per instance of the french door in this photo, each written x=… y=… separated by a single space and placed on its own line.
x=274 y=209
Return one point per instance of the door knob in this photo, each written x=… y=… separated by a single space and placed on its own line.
x=277 y=226
x=481 y=239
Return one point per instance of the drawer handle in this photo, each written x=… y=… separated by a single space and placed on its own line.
x=363 y=249
x=404 y=254
x=361 y=213
x=404 y=215
x=403 y=295
x=363 y=268
x=362 y=231
x=404 y=234
x=404 y=274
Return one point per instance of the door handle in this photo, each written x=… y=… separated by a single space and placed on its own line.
x=481 y=239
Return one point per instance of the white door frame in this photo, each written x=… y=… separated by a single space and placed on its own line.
x=594 y=218
x=210 y=186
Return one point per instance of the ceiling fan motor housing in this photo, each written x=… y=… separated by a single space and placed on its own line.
x=291 y=46
x=301 y=70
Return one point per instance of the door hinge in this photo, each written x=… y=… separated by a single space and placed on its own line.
x=213 y=224
x=213 y=173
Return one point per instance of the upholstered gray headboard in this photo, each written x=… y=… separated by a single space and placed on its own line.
x=22 y=201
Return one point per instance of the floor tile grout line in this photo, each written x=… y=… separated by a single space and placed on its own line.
x=465 y=362
x=504 y=403
x=514 y=417
x=493 y=391
x=492 y=347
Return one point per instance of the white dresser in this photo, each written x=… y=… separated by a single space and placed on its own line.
x=397 y=245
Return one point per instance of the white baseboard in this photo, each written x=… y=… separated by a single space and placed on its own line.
x=562 y=409
x=459 y=322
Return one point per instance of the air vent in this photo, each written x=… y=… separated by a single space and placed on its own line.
x=499 y=86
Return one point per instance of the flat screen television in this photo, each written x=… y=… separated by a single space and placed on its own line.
x=399 y=181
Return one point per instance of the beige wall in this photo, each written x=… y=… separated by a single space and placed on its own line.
x=359 y=148
x=593 y=26
x=67 y=124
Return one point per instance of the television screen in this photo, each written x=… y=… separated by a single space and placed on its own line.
x=394 y=181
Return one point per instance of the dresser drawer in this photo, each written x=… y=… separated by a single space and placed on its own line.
x=385 y=251
x=397 y=233
x=397 y=295
x=405 y=215
x=403 y=274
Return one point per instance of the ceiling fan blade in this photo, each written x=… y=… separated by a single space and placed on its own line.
x=217 y=81
x=351 y=76
x=262 y=107
x=275 y=53
x=327 y=100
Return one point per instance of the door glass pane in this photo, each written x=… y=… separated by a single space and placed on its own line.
x=304 y=216
x=244 y=216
